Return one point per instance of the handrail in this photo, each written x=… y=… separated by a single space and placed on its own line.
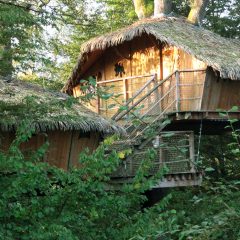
x=135 y=95
x=120 y=114
x=157 y=118
x=170 y=90
x=125 y=78
x=148 y=75
x=146 y=95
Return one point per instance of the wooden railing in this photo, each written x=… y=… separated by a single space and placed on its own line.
x=125 y=87
x=175 y=151
x=180 y=91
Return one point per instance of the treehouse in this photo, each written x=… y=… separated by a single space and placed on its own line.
x=162 y=68
x=69 y=130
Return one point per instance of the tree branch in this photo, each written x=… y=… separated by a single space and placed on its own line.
x=27 y=8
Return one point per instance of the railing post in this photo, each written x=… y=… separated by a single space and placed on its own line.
x=177 y=76
x=97 y=102
x=157 y=94
x=191 y=152
x=125 y=90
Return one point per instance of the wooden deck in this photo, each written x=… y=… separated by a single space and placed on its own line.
x=168 y=181
x=212 y=122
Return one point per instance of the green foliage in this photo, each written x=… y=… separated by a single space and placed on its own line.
x=223 y=161
x=210 y=212
x=45 y=36
x=223 y=17
x=38 y=201
x=21 y=39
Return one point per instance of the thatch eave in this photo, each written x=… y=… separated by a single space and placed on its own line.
x=55 y=116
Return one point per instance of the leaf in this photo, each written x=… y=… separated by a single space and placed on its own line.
x=166 y=122
x=122 y=108
x=121 y=155
x=168 y=134
x=235 y=151
x=234 y=109
x=83 y=81
x=233 y=120
x=111 y=106
x=223 y=114
x=209 y=169
x=106 y=96
x=92 y=81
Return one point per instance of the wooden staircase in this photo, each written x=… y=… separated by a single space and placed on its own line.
x=144 y=119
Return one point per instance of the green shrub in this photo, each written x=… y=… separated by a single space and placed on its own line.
x=38 y=201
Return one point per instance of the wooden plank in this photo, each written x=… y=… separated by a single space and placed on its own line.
x=33 y=144
x=64 y=148
x=121 y=79
x=161 y=61
x=145 y=56
x=59 y=148
x=80 y=142
x=211 y=92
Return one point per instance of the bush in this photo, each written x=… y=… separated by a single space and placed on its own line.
x=38 y=201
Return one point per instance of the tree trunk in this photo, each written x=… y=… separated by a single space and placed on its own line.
x=198 y=10
x=6 y=65
x=140 y=8
x=162 y=7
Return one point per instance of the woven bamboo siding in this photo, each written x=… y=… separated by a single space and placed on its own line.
x=64 y=148
x=145 y=56
x=187 y=61
x=219 y=93
x=120 y=54
x=170 y=60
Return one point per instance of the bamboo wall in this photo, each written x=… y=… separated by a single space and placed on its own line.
x=64 y=148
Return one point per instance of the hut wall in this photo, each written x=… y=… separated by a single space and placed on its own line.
x=220 y=93
x=187 y=61
x=142 y=56
x=170 y=60
x=64 y=147
x=145 y=52
x=81 y=141
x=191 y=83
x=138 y=57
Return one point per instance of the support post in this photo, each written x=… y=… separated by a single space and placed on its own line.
x=191 y=152
x=161 y=157
x=97 y=103
x=157 y=95
x=125 y=90
x=177 y=76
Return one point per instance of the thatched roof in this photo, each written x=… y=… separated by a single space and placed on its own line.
x=47 y=110
x=220 y=53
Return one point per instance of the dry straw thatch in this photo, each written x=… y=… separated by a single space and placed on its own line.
x=47 y=110
x=220 y=53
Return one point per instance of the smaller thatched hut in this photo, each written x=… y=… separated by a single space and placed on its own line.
x=69 y=127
